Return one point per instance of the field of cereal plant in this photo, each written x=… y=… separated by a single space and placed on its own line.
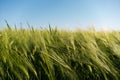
x=52 y=54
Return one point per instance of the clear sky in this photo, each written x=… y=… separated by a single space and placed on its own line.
x=66 y=14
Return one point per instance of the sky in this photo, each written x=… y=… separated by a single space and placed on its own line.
x=63 y=14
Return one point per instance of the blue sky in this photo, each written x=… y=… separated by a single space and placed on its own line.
x=65 y=14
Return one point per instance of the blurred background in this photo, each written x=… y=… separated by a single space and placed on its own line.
x=63 y=14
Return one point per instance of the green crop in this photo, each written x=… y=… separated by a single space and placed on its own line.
x=51 y=54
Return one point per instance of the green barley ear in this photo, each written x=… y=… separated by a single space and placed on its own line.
x=8 y=26
x=28 y=25
x=32 y=29
x=50 y=29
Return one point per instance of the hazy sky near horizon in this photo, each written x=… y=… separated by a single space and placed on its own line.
x=65 y=14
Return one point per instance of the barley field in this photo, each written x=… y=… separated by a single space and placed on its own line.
x=52 y=54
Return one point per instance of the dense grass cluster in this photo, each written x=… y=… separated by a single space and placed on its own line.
x=52 y=54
